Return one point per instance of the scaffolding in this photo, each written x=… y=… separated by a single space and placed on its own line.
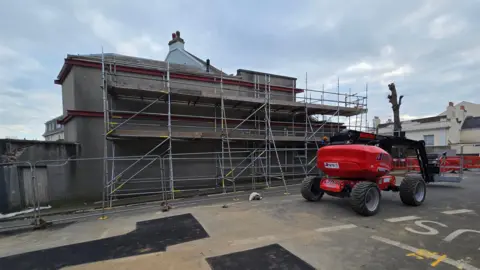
x=261 y=137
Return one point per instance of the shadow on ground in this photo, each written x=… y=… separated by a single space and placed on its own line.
x=148 y=237
x=267 y=257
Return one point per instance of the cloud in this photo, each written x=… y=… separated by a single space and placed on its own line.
x=401 y=71
x=428 y=48
x=359 y=67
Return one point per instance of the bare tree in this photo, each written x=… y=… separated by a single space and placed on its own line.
x=396 y=103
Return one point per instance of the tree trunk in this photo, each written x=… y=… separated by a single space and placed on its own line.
x=396 y=103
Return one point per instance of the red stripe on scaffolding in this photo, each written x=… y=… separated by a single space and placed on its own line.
x=82 y=63
x=77 y=113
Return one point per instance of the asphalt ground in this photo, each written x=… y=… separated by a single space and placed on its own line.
x=279 y=232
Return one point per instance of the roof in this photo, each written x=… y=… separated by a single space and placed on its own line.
x=264 y=73
x=463 y=103
x=55 y=119
x=471 y=122
x=150 y=67
x=418 y=120
x=212 y=68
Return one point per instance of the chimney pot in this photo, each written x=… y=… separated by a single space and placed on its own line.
x=450 y=103
x=174 y=36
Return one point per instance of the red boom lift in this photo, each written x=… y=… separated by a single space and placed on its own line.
x=357 y=165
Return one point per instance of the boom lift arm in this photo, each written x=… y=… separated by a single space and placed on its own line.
x=427 y=169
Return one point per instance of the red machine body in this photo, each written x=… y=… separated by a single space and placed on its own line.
x=355 y=162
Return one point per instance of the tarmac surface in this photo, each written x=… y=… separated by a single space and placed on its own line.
x=278 y=232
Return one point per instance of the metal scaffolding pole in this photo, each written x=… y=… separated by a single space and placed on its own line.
x=338 y=103
x=105 y=144
x=306 y=122
x=366 y=106
x=272 y=139
x=257 y=158
x=170 y=161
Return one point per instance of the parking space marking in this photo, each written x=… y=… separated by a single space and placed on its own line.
x=421 y=252
x=458 y=211
x=400 y=219
x=336 y=228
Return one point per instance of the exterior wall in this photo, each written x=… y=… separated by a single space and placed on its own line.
x=439 y=132
x=274 y=79
x=178 y=57
x=470 y=136
x=68 y=94
x=88 y=177
x=55 y=137
x=158 y=84
x=88 y=94
x=439 y=135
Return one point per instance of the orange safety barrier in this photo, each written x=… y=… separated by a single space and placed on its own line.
x=449 y=164
x=471 y=162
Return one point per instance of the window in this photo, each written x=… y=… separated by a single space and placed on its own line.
x=429 y=140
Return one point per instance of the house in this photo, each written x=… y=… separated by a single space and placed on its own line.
x=204 y=124
x=456 y=128
x=53 y=130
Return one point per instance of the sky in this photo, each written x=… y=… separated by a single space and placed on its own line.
x=430 y=49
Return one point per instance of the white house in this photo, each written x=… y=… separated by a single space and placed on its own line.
x=458 y=125
x=54 y=130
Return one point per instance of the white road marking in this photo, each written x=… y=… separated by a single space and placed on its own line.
x=400 y=219
x=456 y=233
x=458 y=211
x=430 y=230
x=336 y=228
x=454 y=263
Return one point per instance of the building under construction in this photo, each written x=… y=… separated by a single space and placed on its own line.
x=182 y=125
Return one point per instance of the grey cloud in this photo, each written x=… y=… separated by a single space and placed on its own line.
x=322 y=38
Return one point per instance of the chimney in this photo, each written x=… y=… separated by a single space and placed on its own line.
x=177 y=42
x=376 y=121
x=450 y=111
x=208 y=65
x=461 y=114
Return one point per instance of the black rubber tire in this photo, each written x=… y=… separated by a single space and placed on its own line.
x=408 y=189
x=309 y=192
x=358 y=198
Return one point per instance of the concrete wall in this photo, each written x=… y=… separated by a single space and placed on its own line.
x=58 y=176
x=88 y=94
x=68 y=94
x=10 y=196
